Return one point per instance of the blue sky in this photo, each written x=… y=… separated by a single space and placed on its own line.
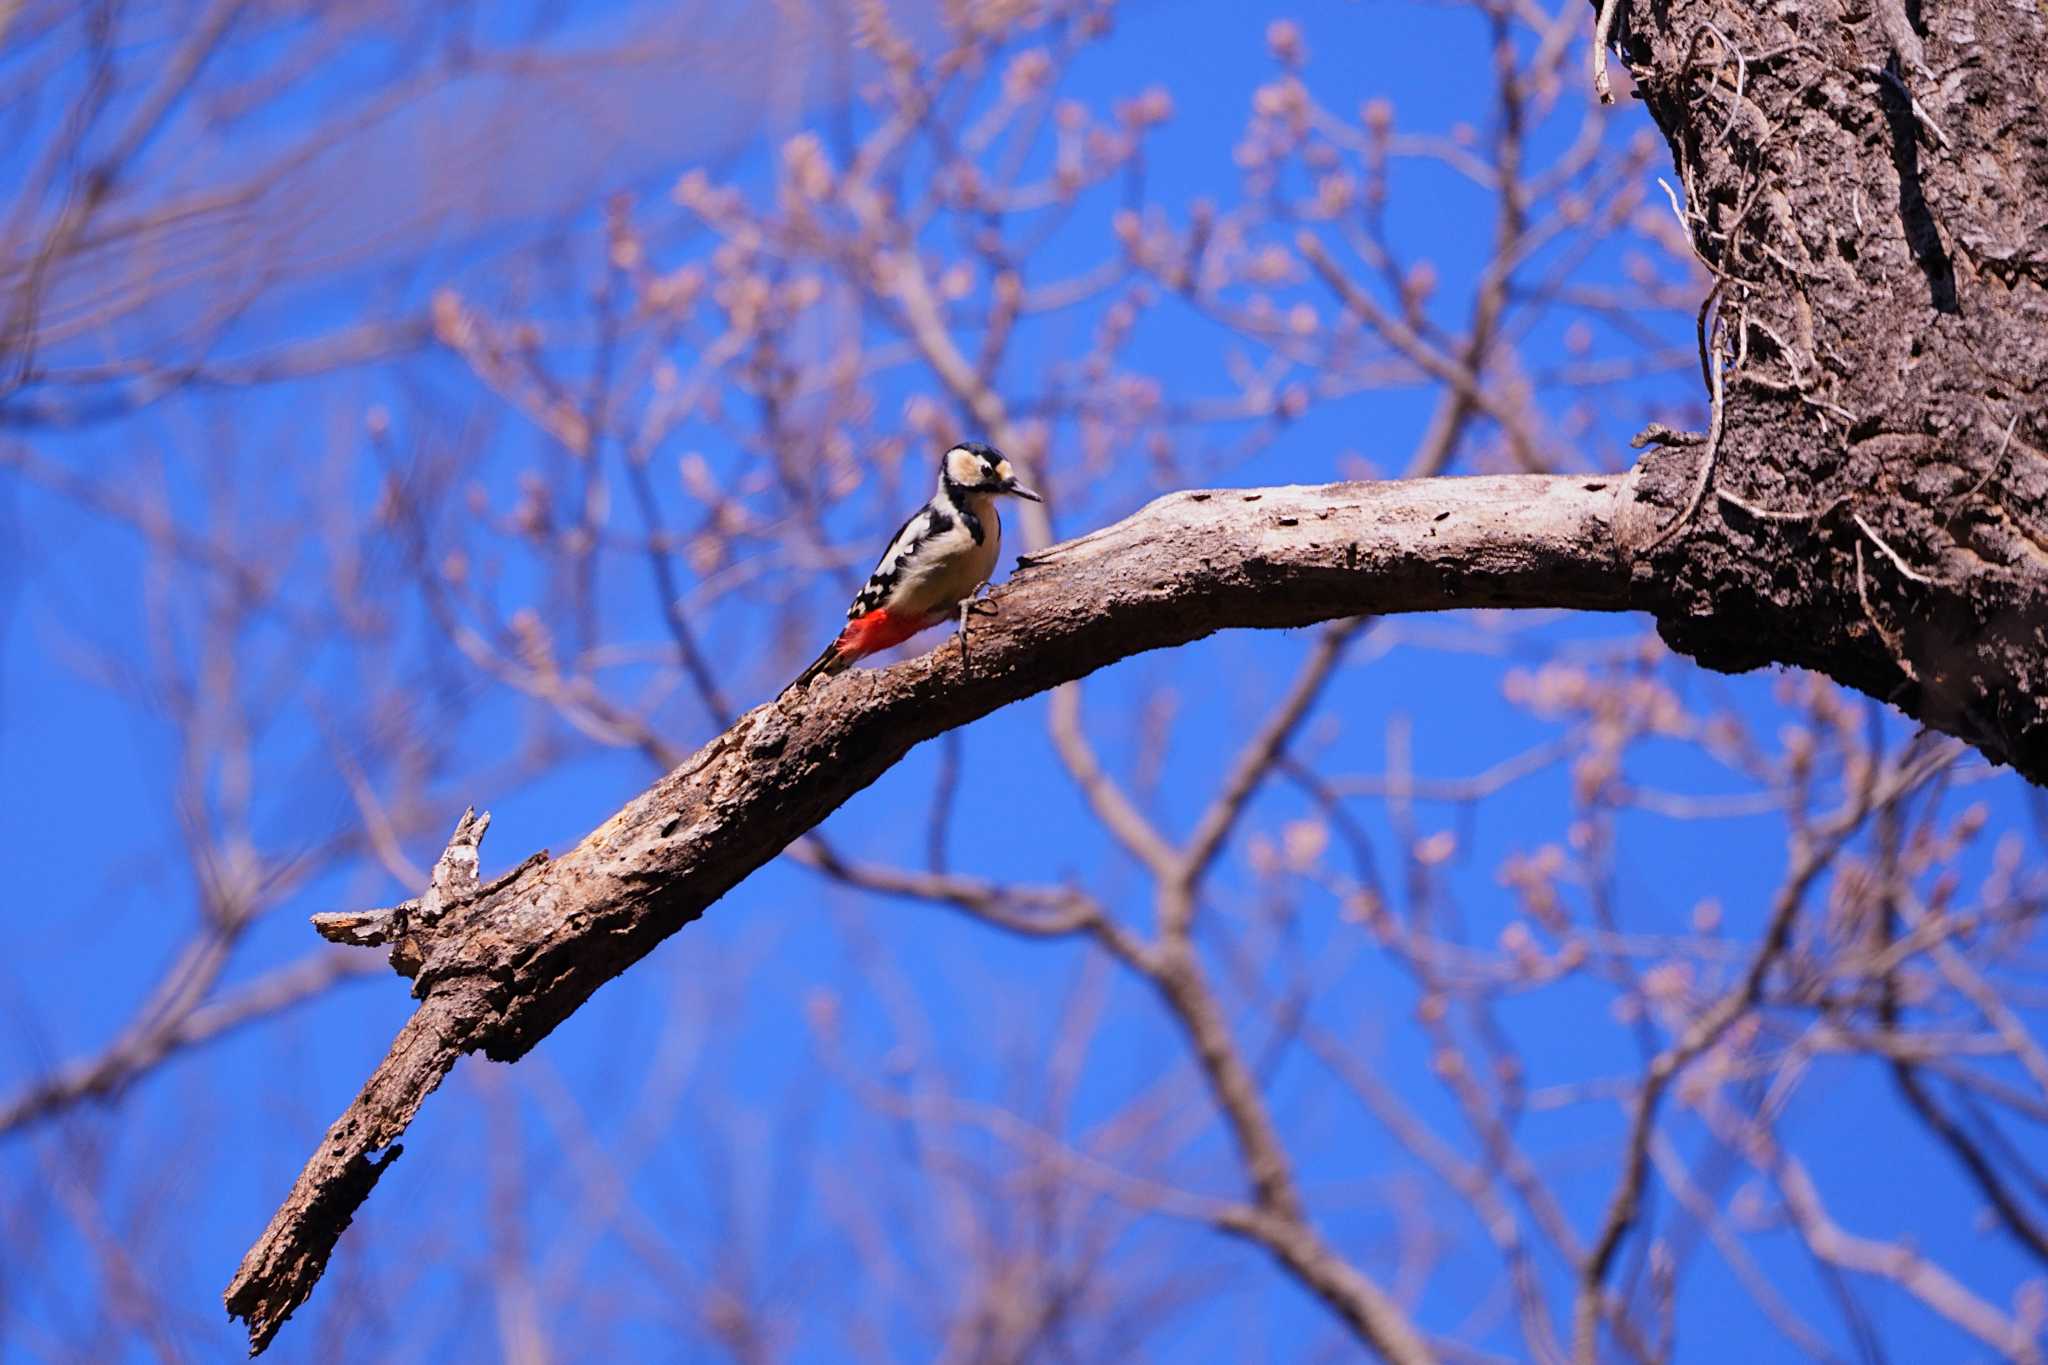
x=763 y=1133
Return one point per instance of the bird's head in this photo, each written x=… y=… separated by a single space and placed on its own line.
x=972 y=467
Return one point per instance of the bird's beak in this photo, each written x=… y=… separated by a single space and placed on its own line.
x=1012 y=486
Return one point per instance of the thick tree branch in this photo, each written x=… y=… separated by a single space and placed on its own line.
x=498 y=966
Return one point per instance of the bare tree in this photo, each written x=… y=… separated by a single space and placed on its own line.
x=718 y=393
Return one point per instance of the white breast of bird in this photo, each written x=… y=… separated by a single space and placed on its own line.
x=951 y=565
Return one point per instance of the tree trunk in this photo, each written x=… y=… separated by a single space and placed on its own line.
x=1869 y=187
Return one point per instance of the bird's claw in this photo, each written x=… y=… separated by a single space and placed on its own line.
x=974 y=604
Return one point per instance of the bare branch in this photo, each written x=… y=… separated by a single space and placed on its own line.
x=1813 y=852
x=498 y=971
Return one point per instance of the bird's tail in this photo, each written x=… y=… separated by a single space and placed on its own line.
x=833 y=660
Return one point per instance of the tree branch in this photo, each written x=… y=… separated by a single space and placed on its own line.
x=498 y=966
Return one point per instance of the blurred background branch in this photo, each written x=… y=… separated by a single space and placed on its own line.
x=407 y=406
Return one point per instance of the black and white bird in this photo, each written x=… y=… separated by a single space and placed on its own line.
x=936 y=562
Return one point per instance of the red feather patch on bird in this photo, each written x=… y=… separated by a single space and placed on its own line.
x=877 y=630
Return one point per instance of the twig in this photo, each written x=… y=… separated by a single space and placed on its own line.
x=1919 y=112
x=1891 y=1261
x=1411 y=344
x=1889 y=553
x=1685 y=226
x=454 y=881
x=108 y=1074
x=1128 y=825
x=1769 y=515
x=1892 y=640
x=1813 y=852
x=1602 y=28
x=2033 y=1059
x=1657 y=434
x=1997 y=463
x=1741 y=80
x=1259 y=756
x=1697 y=1202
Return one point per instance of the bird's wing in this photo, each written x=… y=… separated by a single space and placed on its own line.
x=890 y=565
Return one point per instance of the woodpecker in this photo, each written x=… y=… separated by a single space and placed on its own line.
x=935 y=564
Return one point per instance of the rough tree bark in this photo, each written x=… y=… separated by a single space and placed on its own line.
x=1868 y=183
x=1870 y=500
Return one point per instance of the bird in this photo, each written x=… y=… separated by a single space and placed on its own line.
x=938 y=560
